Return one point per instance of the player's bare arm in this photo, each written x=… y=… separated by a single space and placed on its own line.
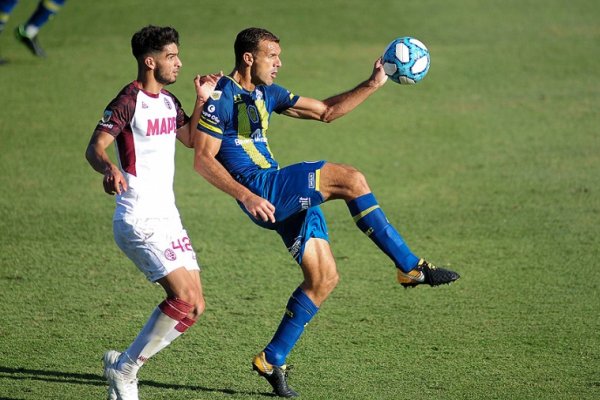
x=114 y=181
x=206 y=164
x=205 y=86
x=339 y=105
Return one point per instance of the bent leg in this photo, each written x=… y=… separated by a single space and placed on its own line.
x=371 y=220
x=340 y=181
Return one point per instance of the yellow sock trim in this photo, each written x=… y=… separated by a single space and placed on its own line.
x=357 y=217
x=52 y=6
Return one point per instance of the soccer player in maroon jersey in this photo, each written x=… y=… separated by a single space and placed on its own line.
x=144 y=121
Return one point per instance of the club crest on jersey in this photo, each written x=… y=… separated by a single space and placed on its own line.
x=216 y=95
x=168 y=103
x=170 y=255
x=253 y=114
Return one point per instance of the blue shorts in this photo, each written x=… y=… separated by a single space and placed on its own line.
x=294 y=191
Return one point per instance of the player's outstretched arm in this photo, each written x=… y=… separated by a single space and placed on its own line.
x=114 y=181
x=205 y=86
x=339 y=105
x=205 y=163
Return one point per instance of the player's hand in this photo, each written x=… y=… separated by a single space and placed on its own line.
x=378 y=76
x=260 y=208
x=114 y=182
x=205 y=85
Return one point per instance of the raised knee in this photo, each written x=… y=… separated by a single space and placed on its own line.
x=359 y=182
x=355 y=183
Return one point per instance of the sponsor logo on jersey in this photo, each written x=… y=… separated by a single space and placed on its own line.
x=294 y=249
x=257 y=134
x=241 y=142
x=168 y=103
x=304 y=202
x=106 y=116
x=144 y=105
x=311 y=180
x=208 y=117
x=216 y=95
x=161 y=126
x=211 y=108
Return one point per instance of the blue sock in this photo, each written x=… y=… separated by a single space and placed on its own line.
x=45 y=10
x=370 y=219
x=6 y=7
x=299 y=311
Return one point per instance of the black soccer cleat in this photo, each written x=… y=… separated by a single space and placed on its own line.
x=32 y=43
x=276 y=376
x=428 y=273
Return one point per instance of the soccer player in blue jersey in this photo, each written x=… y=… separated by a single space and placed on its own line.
x=233 y=154
x=27 y=33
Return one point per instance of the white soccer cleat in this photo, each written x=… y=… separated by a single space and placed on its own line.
x=120 y=387
x=109 y=360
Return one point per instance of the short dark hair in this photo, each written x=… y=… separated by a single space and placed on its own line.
x=247 y=41
x=152 y=39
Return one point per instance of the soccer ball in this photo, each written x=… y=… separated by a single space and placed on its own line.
x=406 y=60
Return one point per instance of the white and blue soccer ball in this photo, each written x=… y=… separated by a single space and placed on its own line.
x=406 y=60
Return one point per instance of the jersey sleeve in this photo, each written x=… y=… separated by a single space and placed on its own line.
x=214 y=115
x=117 y=114
x=282 y=98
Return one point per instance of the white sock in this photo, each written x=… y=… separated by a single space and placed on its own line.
x=31 y=31
x=157 y=334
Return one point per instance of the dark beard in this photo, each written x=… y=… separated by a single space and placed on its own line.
x=162 y=79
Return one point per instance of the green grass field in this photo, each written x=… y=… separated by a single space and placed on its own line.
x=490 y=166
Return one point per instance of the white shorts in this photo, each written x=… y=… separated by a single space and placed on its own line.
x=156 y=246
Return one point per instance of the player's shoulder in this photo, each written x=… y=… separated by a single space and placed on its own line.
x=126 y=97
x=226 y=86
x=129 y=90
x=274 y=90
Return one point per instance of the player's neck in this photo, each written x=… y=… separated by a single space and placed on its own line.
x=148 y=84
x=243 y=79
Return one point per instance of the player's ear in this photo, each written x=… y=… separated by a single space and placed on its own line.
x=149 y=62
x=248 y=59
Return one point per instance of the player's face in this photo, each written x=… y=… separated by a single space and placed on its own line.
x=266 y=63
x=167 y=64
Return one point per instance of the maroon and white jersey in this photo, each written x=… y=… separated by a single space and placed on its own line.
x=144 y=126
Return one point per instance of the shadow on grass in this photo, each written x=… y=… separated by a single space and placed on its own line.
x=96 y=380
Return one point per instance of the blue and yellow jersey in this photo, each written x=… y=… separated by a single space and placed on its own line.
x=241 y=120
